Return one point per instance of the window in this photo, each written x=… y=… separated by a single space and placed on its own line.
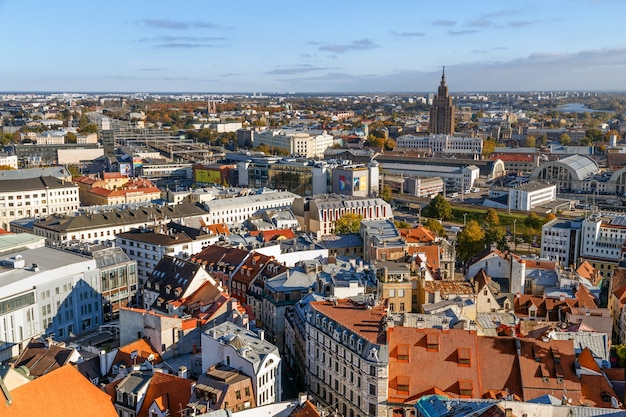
x=238 y=394
x=372 y=389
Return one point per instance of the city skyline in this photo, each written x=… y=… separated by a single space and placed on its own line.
x=325 y=47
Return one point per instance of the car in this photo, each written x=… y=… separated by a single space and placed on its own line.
x=454 y=195
x=466 y=192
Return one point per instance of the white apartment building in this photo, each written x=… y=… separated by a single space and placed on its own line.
x=601 y=241
x=44 y=291
x=346 y=361
x=442 y=144
x=104 y=225
x=148 y=246
x=307 y=143
x=35 y=197
x=560 y=241
x=527 y=196
x=8 y=160
x=318 y=214
x=461 y=178
x=238 y=209
x=244 y=350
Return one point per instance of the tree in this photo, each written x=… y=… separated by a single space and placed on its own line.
x=565 y=139
x=401 y=224
x=531 y=141
x=87 y=129
x=550 y=217
x=385 y=194
x=348 y=223
x=70 y=137
x=543 y=140
x=470 y=240
x=533 y=221
x=440 y=208
x=434 y=226
x=586 y=141
x=83 y=121
x=492 y=218
x=489 y=146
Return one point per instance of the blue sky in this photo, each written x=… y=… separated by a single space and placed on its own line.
x=312 y=46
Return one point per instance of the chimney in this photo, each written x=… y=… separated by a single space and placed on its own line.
x=302 y=397
x=103 y=362
x=182 y=372
x=508 y=412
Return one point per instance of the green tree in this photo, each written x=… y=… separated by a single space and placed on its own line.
x=470 y=240
x=565 y=139
x=87 y=129
x=585 y=141
x=401 y=224
x=70 y=137
x=531 y=141
x=83 y=121
x=543 y=140
x=385 y=194
x=533 y=221
x=434 y=226
x=348 y=223
x=440 y=208
x=595 y=135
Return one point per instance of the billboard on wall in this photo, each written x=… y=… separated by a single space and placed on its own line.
x=125 y=169
x=137 y=161
x=343 y=185
x=208 y=176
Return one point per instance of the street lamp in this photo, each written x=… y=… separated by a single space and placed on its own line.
x=514 y=234
x=464 y=219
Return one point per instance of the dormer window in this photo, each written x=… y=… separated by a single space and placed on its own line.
x=403 y=353
x=464 y=355
x=432 y=342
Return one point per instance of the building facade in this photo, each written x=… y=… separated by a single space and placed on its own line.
x=442 y=110
x=35 y=197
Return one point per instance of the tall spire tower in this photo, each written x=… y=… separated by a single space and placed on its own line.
x=442 y=110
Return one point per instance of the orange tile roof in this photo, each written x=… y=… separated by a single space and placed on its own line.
x=432 y=253
x=452 y=357
x=60 y=393
x=217 y=228
x=597 y=392
x=170 y=392
x=540 y=369
x=369 y=323
x=305 y=410
x=270 y=235
x=419 y=234
x=585 y=298
x=143 y=348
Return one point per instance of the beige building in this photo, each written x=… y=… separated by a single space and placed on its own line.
x=309 y=143
x=115 y=188
x=35 y=197
x=319 y=213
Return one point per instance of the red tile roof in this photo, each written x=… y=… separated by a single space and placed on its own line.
x=368 y=323
x=144 y=351
x=170 y=392
x=272 y=235
x=419 y=234
x=60 y=393
x=305 y=410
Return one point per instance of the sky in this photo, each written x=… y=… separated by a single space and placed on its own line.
x=350 y=46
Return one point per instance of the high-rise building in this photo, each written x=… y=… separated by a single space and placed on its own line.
x=442 y=110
